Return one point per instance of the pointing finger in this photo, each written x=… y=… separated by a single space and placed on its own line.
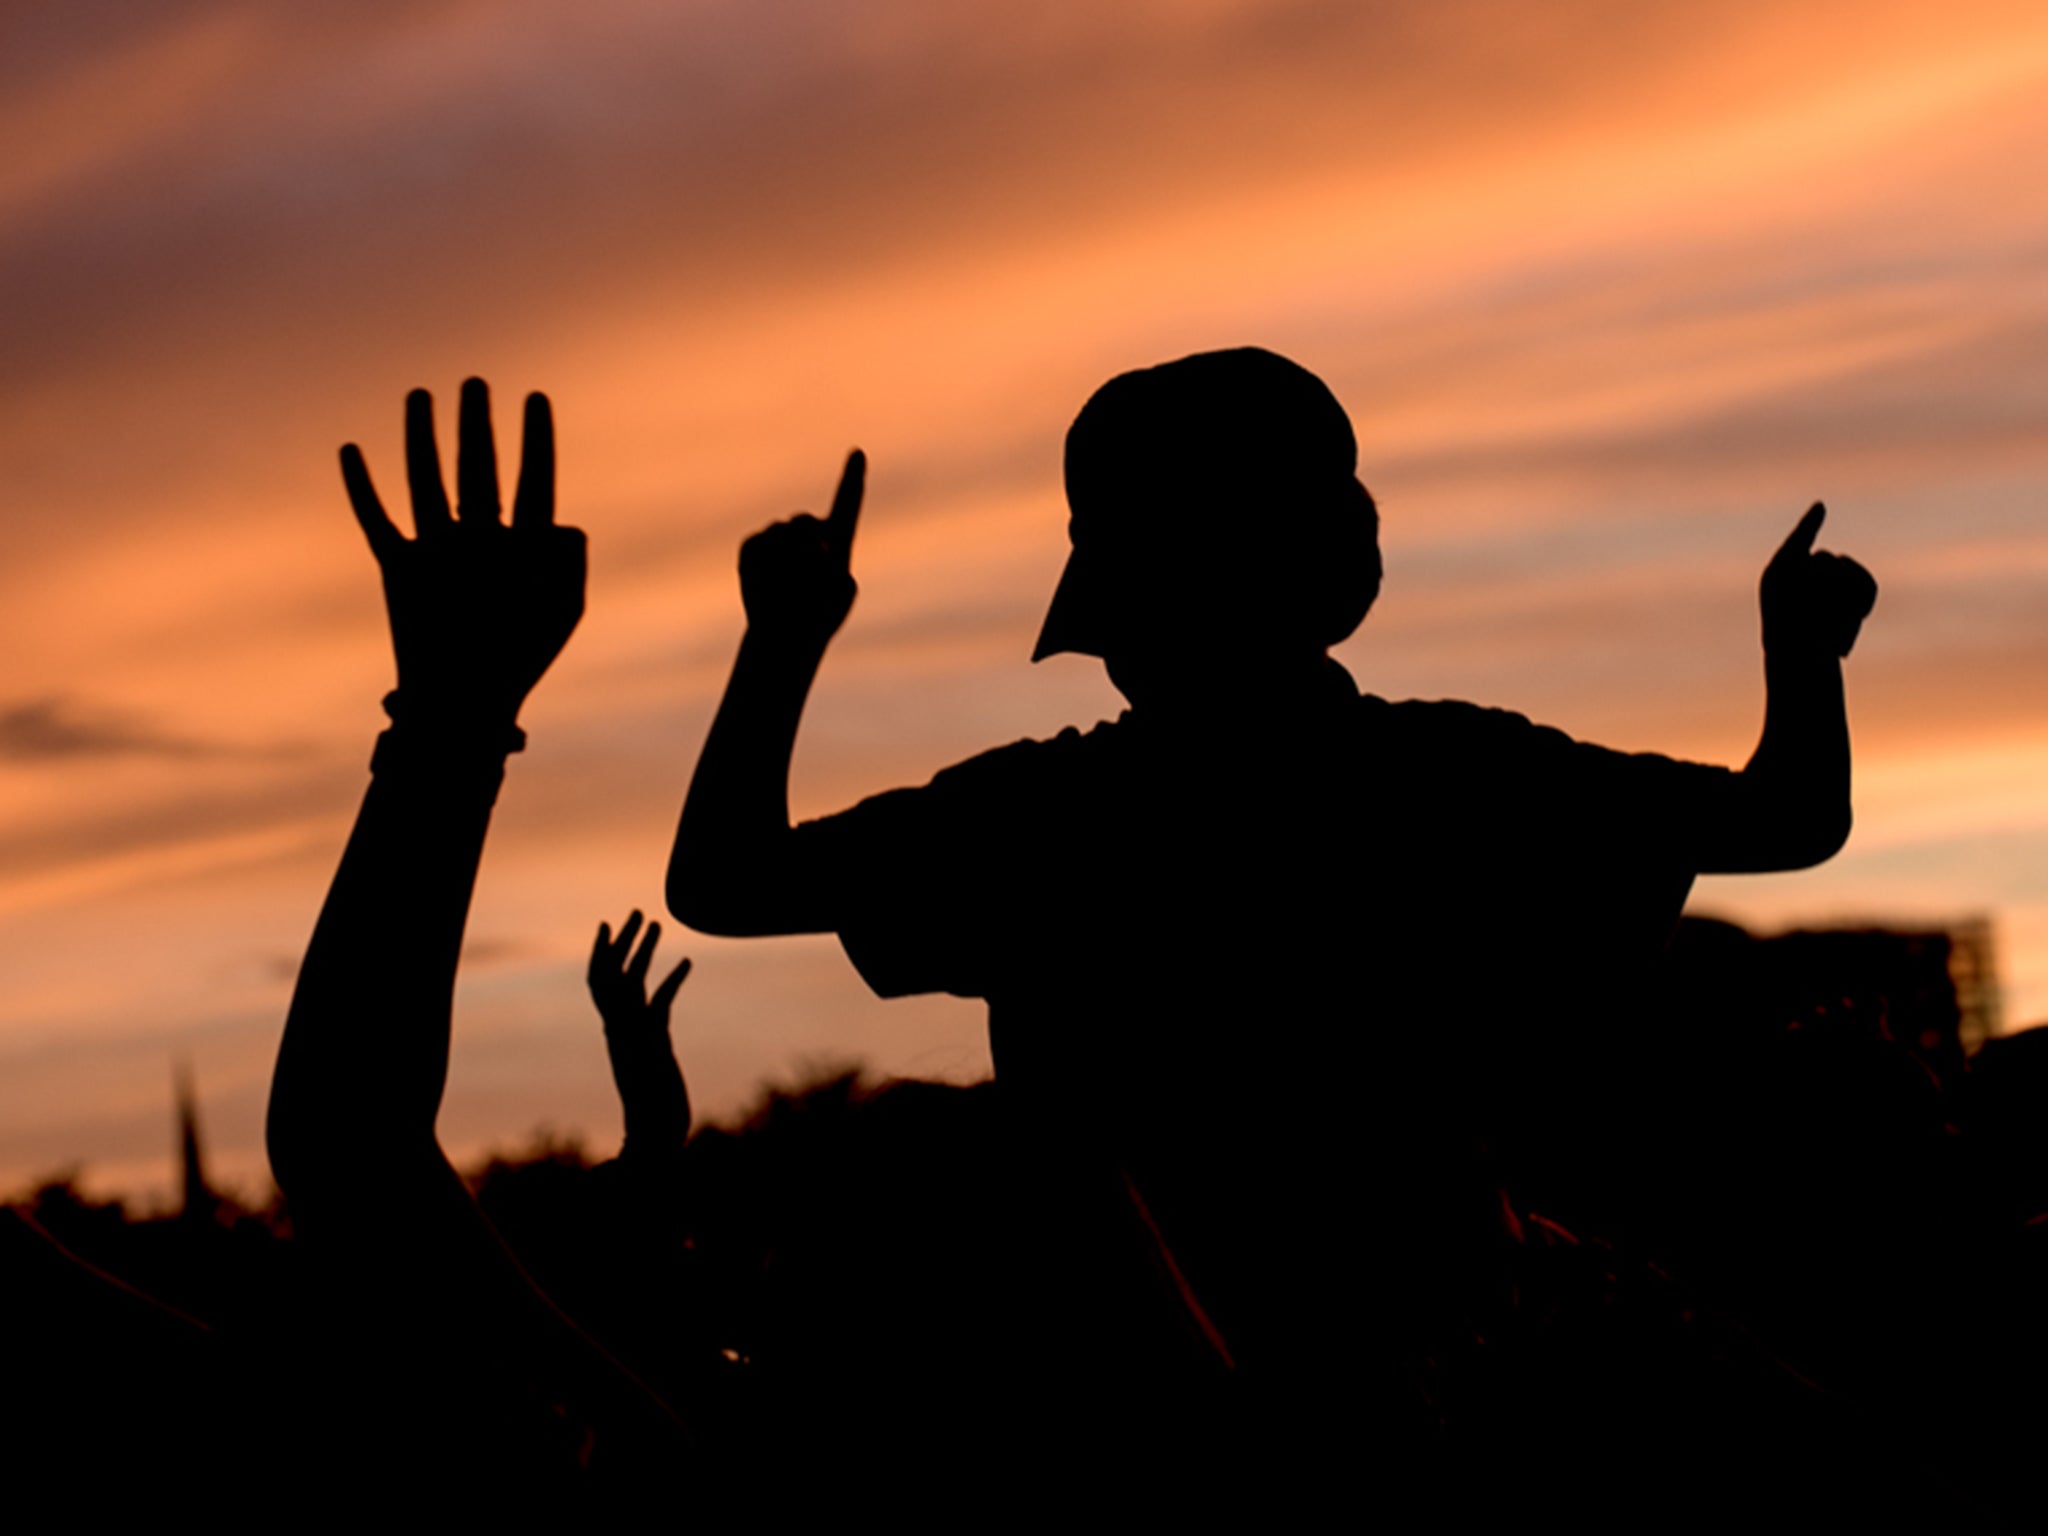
x=476 y=457
x=423 y=465
x=845 y=514
x=533 y=504
x=376 y=523
x=1800 y=540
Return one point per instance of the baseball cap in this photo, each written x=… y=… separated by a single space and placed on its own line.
x=1226 y=478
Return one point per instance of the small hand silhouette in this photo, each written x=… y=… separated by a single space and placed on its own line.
x=796 y=577
x=1812 y=599
x=636 y=1033
x=478 y=609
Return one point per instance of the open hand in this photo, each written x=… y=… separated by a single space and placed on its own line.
x=636 y=1033
x=478 y=608
x=796 y=577
x=1812 y=599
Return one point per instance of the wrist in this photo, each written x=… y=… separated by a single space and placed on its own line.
x=459 y=741
x=1797 y=652
x=426 y=712
x=791 y=644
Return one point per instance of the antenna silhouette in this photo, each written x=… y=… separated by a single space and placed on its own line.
x=198 y=1205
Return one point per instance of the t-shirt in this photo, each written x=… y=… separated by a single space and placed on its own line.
x=1278 y=973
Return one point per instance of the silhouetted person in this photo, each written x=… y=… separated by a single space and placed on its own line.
x=1275 y=953
x=644 y=1293
x=463 y=1372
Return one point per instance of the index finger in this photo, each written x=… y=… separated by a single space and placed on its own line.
x=1800 y=540
x=845 y=514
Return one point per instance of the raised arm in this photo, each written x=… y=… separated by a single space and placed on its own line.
x=478 y=609
x=736 y=869
x=636 y=1034
x=461 y=1350
x=1790 y=808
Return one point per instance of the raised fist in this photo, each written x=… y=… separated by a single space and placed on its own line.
x=1811 y=599
x=478 y=607
x=796 y=577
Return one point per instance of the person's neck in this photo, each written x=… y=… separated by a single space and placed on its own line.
x=1258 y=693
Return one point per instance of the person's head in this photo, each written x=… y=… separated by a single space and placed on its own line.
x=1217 y=522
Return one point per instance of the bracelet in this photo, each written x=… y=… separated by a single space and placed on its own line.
x=451 y=743
x=398 y=708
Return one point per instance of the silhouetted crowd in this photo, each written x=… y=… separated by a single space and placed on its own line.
x=1362 y=1145
x=1789 y=1273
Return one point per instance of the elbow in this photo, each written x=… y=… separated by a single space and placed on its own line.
x=733 y=888
x=334 y=1172
x=336 y=1142
x=1777 y=826
x=693 y=900
x=1822 y=835
x=1838 y=838
x=695 y=888
x=740 y=907
x=706 y=904
x=722 y=890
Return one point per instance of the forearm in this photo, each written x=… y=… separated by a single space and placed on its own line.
x=1795 y=801
x=657 y=1115
x=730 y=872
x=359 y=1082
x=365 y=1050
x=1790 y=808
x=1805 y=742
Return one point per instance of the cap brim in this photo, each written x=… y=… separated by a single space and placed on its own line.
x=1073 y=624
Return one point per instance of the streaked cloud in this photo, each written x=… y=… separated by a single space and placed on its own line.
x=57 y=730
x=1611 y=292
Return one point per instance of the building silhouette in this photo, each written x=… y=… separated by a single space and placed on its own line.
x=1932 y=990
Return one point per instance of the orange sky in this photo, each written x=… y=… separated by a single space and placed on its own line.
x=1611 y=292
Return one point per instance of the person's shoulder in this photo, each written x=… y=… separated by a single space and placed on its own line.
x=1440 y=713
x=1451 y=720
x=1456 y=723
x=1034 y=758
x=1450 y=734
x=997 y=783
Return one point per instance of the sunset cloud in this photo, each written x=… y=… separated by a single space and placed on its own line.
x=1611 y=293
x=59 y=729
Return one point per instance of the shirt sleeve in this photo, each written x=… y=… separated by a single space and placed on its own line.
x=1642 y=804
x=1656 y=803
x=922 y=873
x=1593 y=850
